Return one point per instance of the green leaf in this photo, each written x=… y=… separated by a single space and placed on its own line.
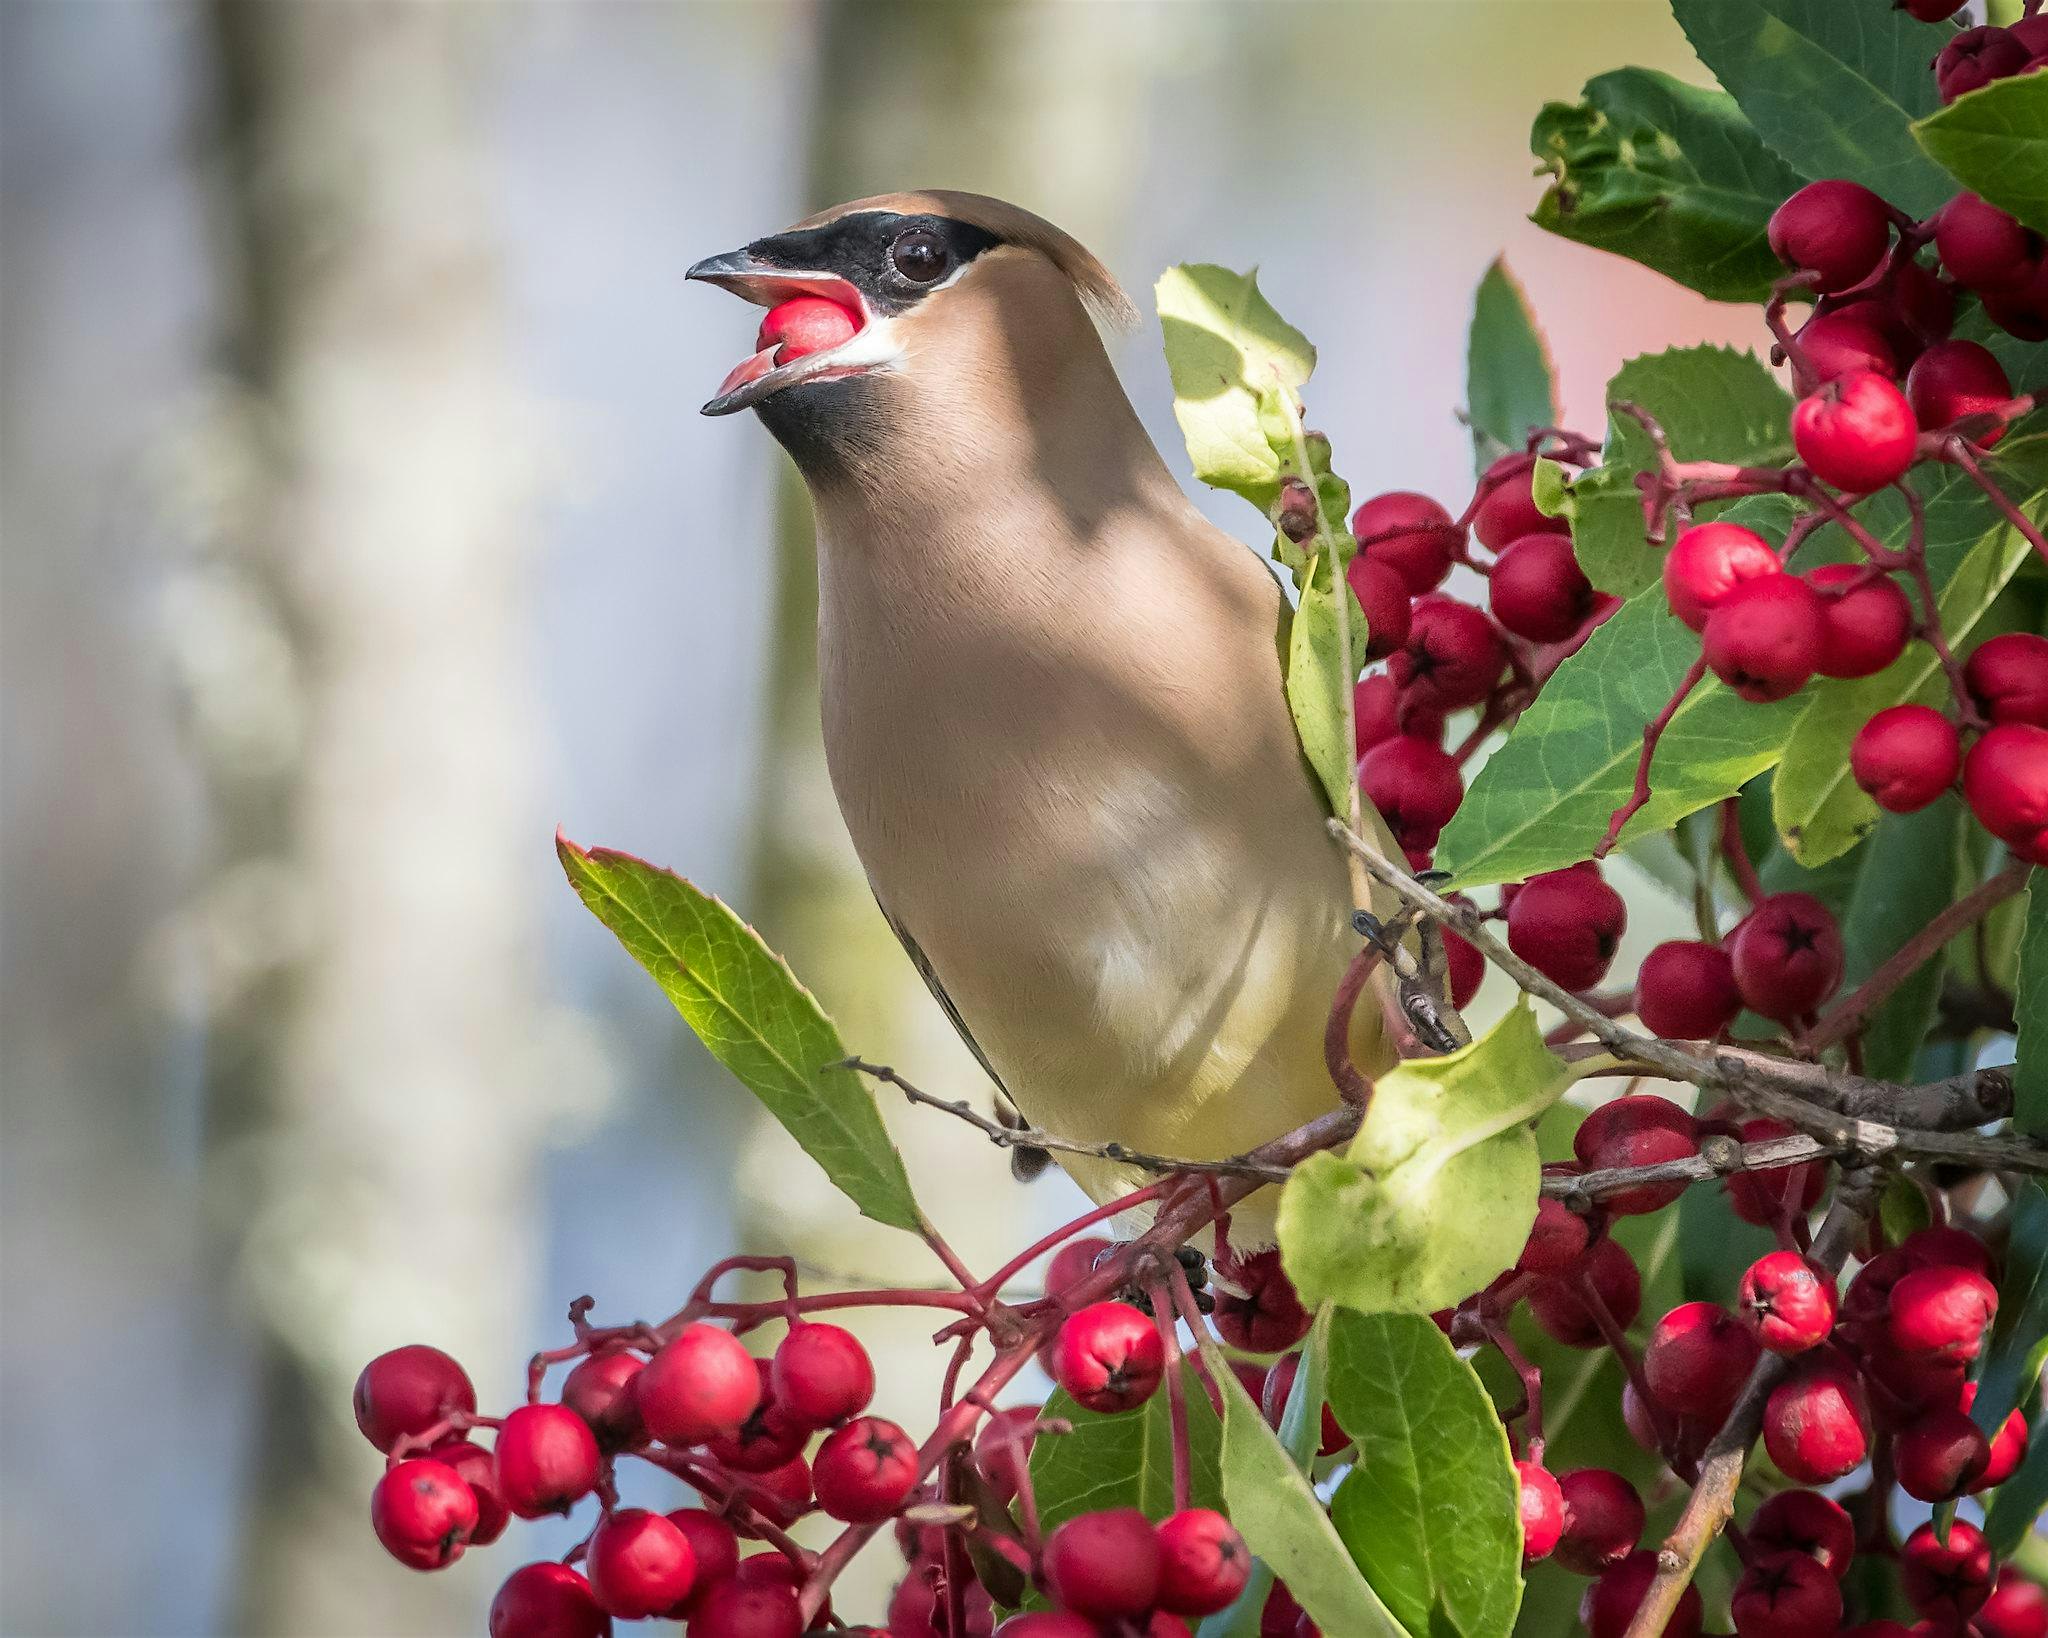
x=1437 y=1192
x=1666 y=174
x=1126 y=1459
x=1509 y=384
x=1277 y=1512
x=1834 y=88
x=2020 y=1500
x=2019 y=1340
x=1903 y=1209
x=752 y=1016
x=1994 y=141
x=2030 y=1007
x=1819 y=810
x=1319 y=685
x=1430 y=1509
x=1908 y=878
x=1714 y=404
x=1544 y=798
x=1234 y=361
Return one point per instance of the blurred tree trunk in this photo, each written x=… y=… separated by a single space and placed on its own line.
x=903 y=94
x=372 y=1093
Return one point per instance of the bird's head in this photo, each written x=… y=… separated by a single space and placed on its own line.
x=938 y=300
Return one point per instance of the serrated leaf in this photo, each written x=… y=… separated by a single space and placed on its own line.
x=2030 y=1009
x=2019 y=1339
x=1908 y=877
x=1430 y=1509
x=1318 y=684
x=1543 y=799
x=1714 y=404
x=1818 y=809
x=1833 y=88
x=1277 y=1512
x=1994 y=141
x=752 y=1016
x=1126 y=1459
x=1437 y=1192
x=1666 y=174
x=1231 y=356
x=1510 y=386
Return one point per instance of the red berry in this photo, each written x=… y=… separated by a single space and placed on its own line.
x=1375 y=713
x=2005 y=781
x=1787 y=1302
x=407 y=1391
x=1942 y=1312
x=1537 y=589
x=821 y=1375
x=1867 y=620
x=547 y=1460
x=776 y=1570
x=1836 y=230
x=1555 y=1242
x=1946 y=1583
x=1984 y=249
x=1555 y=1305
x=1048 y=1624
x=1904 y=1385
x=1941 y=1454
x=2022 y=311
x=1109 y=1357
x=1542 y=1511
x=701 y=1384
x=1787 y=1596
x=1698 y=1357
x=475 y=1467
x=2017 y=1608
x=714 y=1549
x=1906 y=756
x=1764 y=638
x=600 y=1390
x=1929 y=11
x=782 y=1494
x=1275 y=1392
x=1836 y=344
x=1073 y=1263
x=766 y=1439
x=1383 y=595
x=1857 y=433
x=1106 y=1565
x=1953 y=379
x=1814 y=1423
x=1509 y=510
x=640 y=1564
x=1805 y=1521
x=1685 y=990
x=1421 y=540
x=1415 y=785
x=1788 y=956
x=2008 y=1446
x=1203 y=1562
x=1453 y=655
x=1976 y=57
x=1465 y=967
x=423 y=1513
x=547 y=1601
x=1610 y=1603
x=1567 y=924
x=743 y=1609
x=1940 y=1246
x=1603 y=1520
x=1766 y=1195
x=1707 y=562
x=1264 y=1316
x=864 y=1471
x=805 y=324
x=1637 y=1130
x=2008 y=678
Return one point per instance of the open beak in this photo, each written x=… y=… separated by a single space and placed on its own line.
x=766 y=285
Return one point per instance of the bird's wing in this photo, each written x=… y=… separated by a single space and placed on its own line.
x=1025 y=1162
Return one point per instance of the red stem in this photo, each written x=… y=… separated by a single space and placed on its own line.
x=1736 y=854
x=1176 y=1391
x=1652 y=732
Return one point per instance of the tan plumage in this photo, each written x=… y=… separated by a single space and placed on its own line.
x=1054 y=717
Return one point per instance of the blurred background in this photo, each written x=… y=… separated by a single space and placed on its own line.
x=359 y=529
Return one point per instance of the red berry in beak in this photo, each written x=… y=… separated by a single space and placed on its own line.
x=803 y=325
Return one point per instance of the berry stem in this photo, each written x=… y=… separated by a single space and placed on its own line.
x=1958 y=451
x=1176 y=1391
x=1736 y=853
x=1653 y=731
x=1352 y=1085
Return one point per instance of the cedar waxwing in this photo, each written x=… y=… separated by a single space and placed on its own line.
x=1052 y=693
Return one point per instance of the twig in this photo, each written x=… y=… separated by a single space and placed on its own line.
x=1720 y=1470
x=1847 y=1016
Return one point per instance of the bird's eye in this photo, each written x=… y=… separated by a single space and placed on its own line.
x=919 y=255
